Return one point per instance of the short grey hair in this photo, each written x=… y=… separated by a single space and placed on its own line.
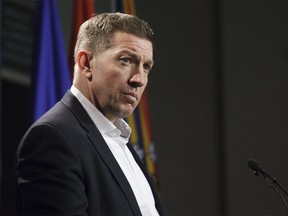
x=97 y=33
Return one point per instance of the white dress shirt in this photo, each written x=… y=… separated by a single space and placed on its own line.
x=117 y=136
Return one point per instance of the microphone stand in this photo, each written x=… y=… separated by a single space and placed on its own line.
x=274 y=181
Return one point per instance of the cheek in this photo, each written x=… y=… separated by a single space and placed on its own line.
x=117 y=80
x=142 y=89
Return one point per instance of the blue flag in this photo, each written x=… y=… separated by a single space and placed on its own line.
x=51 y=72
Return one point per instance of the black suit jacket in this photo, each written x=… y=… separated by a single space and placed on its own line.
x=64 y=167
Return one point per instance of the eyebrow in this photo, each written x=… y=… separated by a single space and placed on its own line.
x=136 y=56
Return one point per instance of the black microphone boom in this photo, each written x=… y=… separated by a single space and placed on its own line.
x=254 y=165
x=257 y=168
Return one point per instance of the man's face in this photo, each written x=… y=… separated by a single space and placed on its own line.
x=120 y=75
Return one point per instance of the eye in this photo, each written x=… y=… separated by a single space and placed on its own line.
x=126 y=59
x=147 y=67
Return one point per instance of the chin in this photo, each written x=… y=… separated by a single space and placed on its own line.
x=126 y=113
x=124 y=110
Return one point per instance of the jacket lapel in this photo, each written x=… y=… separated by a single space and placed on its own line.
x=149 y=179
x=101 y=147
x=114 y=167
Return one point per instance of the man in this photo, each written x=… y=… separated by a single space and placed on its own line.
x=76 y=159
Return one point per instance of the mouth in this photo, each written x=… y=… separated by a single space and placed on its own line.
x=131 y=97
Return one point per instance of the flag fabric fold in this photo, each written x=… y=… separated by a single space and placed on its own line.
x=51 y=77
x=83 y=10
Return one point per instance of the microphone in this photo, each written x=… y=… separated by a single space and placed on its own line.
x=257 y=168
x=254 y=165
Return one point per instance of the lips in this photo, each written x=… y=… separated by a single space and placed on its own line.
x=131 y=96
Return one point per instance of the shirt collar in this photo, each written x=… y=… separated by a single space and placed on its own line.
x=102 y=123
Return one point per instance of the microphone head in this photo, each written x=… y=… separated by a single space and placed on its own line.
x=254 y=165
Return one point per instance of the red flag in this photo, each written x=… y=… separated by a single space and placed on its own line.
x=83 y=10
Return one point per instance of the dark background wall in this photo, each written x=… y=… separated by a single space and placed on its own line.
x=217 y=97
x=255 y=77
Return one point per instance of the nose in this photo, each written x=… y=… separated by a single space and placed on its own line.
x=138 y=78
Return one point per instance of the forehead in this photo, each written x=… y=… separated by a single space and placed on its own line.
x=133 y=42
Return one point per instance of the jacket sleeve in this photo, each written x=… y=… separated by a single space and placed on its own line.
x=49 y=177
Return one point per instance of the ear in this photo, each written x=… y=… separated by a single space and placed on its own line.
x=83 y=60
